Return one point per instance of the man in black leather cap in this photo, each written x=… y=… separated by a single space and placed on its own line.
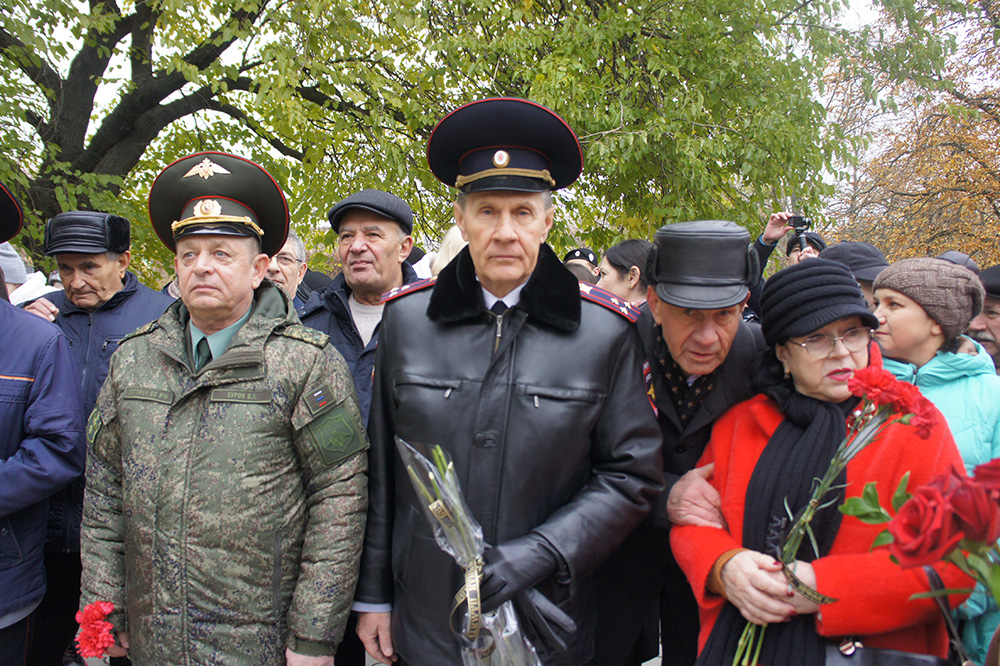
x=699 y=351
x=530 y=381
x=102 y=302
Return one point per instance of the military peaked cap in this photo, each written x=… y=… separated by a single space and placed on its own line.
x=218 y=193
x=11 y=215
x=504 y=144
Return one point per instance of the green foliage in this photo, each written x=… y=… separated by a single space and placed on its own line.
x=685 y=110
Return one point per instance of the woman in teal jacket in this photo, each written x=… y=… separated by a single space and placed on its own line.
x=923 y=305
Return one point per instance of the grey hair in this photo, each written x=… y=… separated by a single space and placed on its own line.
x=300 y=247
x=546 y=199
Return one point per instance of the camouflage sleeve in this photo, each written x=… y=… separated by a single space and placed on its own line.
x=103 y=530
x=331 y=442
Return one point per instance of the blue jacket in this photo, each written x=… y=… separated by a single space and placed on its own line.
x=93 y=337
x=966 y=388
x=328 y=311
x=42 y=446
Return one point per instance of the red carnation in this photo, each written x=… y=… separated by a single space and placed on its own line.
x=872 y=383
x=96 y=633
x=925 y=529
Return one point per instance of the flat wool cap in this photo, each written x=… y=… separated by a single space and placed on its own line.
x=990 y=277
x=375 y=201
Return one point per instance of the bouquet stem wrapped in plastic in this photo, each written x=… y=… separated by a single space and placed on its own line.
x=488 y=639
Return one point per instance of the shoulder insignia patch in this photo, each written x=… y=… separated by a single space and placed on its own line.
x=396 y=292
x=142 y=330
x=305 y=334
x=610 y=301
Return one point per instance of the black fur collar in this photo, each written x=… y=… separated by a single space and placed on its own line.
x=551 y=295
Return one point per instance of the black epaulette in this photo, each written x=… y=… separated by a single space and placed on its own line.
x=608 y=300
x=305 y=334
x=396 y=292
x=142 y=330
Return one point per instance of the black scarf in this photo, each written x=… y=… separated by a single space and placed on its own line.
x=687 y=398
x=799 y=451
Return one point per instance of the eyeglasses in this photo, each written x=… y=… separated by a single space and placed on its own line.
x=286 y=260
x=822 y=345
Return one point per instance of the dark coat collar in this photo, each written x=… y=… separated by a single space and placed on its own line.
x=333 y=298
x=551 y=295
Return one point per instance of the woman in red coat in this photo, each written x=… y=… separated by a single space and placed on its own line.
x=768 y=450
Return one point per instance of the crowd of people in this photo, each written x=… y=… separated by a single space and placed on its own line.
x=218 y=459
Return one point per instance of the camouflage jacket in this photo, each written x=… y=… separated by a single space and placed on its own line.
x=225 y=509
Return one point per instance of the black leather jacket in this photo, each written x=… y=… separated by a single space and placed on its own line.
x=545 y=416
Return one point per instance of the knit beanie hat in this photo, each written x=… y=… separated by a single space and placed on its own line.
x=950 y=294
x=13 y=267
x=806 y=297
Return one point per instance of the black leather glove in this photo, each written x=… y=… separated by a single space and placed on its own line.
x=514 y=566
x=544 y=621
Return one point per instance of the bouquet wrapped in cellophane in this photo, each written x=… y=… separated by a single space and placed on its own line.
x=488 y=639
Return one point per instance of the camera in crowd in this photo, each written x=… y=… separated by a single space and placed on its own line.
x=801 y=225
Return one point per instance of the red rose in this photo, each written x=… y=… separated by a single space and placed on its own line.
x=925 y=529
x=978 y=515
x=988 y=475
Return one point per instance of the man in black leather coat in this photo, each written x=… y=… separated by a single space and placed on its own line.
x=699 y=351
x=533 y=389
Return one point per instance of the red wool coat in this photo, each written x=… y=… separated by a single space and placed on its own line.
x=872 y=592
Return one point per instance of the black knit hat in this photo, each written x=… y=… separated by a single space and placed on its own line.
x=806 y=297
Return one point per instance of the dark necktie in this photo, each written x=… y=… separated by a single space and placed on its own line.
x=499 y=308
x=203 y=354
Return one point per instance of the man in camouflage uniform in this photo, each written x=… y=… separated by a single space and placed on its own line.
x=226 y=486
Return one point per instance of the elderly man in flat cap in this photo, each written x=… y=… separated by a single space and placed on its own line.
x=373 y=242
x=42 y=449
x=101 y=303
x=532 y=384
x=699 y=351
x=226 y=474
x=985 y=328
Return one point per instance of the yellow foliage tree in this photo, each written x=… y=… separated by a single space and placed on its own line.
x=930 y=181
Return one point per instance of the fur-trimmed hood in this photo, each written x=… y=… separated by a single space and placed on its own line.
x=551 y=295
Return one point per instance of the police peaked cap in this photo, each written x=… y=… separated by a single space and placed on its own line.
x=504 y=144
x=85 y=232
x=11 y=215
x=218 y=193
